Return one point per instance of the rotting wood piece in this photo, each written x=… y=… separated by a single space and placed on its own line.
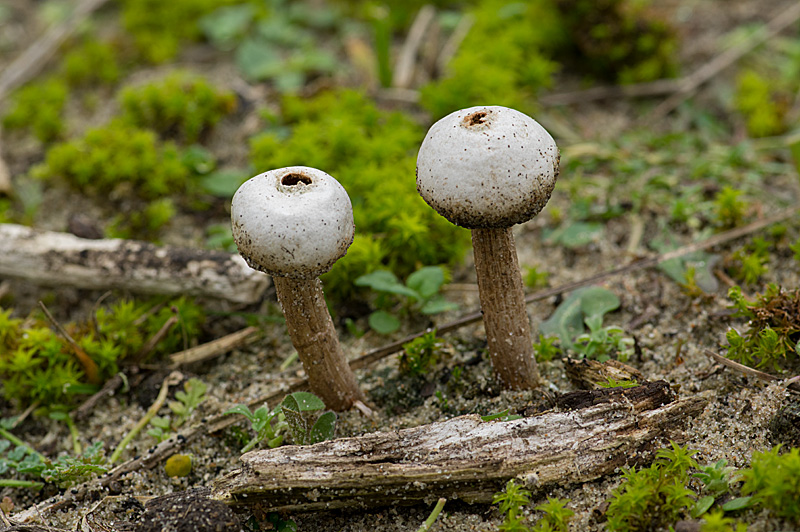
x=53 y=258
x=463 y=457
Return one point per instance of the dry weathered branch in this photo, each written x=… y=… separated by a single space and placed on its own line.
x=211 y=349
x=52 y=258
x=406 y=62
x=31 y=61
x=463 y=457
x=692 y=82
x=792 y=385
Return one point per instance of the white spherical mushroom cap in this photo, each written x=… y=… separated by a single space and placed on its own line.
x=292 y=222
x=486 y=167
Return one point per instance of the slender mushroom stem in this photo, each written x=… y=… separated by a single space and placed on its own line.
x=314 y=336
x=508 y=329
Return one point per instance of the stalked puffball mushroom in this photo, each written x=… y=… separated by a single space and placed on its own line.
x=294 y=224
x=487 y=169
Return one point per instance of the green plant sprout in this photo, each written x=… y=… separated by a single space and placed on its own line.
x=307 y=422
x=188 y=400
x=750 y=262
x=505 y=415
x=772 y=481
x=421 y=293
x=556 y=516
x=716 y=479
x=613 y=383
x=511 y=501
x=717 y=522
x=729 y=208
x=588 y=306
x=546 y=348
x=796 y=250
x=181 y=106
x=64 y=471
x=652 y=495
x=268 y=425
x=761 y=105
x=535 y=279
x=421 y=354
x=773 y=331
x=600 y=343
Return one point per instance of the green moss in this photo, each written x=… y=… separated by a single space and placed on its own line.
x=655 y=496
x=773 y=328
x=91 y=63
x=372 y=153
x=505 y=58
x=763 y=107
x=36 y=364
x=180 y=106
x=620 y=40
x=38 y=107
x=773 y=479
x=117 y=160
x=159 y=28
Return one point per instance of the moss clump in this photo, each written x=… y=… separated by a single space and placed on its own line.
x=504 y=59
x=372 y=153
x=180 y=106
x=653 y=496
x=763 y=107
x=38 y=107
x=36 y=364
x=620 y=40
x=91 y=63
x=774 y=482
x=773 y=328
x=159 y=28
x=116 y=161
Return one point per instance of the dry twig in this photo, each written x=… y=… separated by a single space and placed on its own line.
x=33 y=59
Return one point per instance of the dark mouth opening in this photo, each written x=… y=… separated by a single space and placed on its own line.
x=293 y=179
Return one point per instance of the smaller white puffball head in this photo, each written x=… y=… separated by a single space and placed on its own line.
x=292 y=222
x=487 y=167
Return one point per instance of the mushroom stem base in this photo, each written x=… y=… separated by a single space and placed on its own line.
x=508 y=329
x=313 y=335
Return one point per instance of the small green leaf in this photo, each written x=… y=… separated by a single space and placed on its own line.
x=702 y=506
x=597 y=301
x=240 y=409
x=324 y=428
x=382 y=322
x=739 y=503
x=386 y=281
x=576 y=234
x=426 y=281
x=226 y=25
x=303 y=402
x=258 y=60
x=437 y=305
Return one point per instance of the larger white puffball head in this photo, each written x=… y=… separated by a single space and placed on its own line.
x=292 y=222
x=487 y=167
